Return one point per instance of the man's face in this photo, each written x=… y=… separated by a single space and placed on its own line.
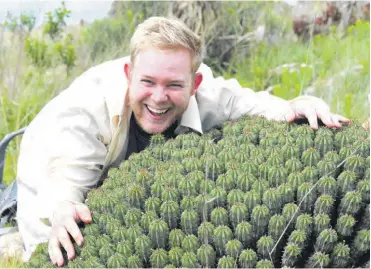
x=160 y=86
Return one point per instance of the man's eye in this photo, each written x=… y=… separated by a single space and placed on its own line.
x=176 y=85
x=146 y=81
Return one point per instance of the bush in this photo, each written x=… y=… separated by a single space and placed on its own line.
x=110 y=36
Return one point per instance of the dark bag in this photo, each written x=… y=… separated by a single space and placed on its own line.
x=8 y=194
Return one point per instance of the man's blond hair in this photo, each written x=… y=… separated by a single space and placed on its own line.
x=165 y=33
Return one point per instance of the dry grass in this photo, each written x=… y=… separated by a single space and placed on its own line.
x=9 y=262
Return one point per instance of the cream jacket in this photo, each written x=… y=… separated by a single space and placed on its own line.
x=83 y=130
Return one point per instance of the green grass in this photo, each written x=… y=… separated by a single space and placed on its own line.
x=333 y=67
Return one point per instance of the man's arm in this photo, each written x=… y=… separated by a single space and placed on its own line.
x=75 y=161
x=230 y=100
x=62 y=155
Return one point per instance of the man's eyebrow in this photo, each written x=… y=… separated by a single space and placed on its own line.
x=176 y=81
x=146 y=76
x=170 y=81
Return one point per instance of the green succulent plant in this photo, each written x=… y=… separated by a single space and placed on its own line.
x=267 y=194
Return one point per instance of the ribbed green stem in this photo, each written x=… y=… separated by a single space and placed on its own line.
x=176 y=237
x=298 y=238
x=340 y=256
x=159 y=234
x=206 y=256
x=264 y=246
x=326 y=240
x=134 y=262
x=222 y=234
x=170 y=213
x=291 y=255
x=276 y=226
x=189 y=260
x=321 y=222
x=117 y=261
x=143 y=247
x=259 y=220
x=233 y=248
x=227 y=262
x=304 y=223
x=248 y=258
x=272 y=199
x=190 y=221
x=175 y=256
x=159 y=258
x=205 y=232
x=238 y=213
x=345 y=225
x=190 y=243
x=318 y=260
x=243 y=233
x=264 y=264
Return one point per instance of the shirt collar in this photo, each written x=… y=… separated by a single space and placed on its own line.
x=191 y=118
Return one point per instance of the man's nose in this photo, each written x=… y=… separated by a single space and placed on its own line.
x=159 y=95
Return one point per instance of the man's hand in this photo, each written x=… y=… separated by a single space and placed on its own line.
x=64 y=224
x=314 y=108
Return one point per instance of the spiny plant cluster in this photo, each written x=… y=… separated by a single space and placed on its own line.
x=254 y=193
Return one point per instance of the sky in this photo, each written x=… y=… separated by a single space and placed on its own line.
x=88 y=10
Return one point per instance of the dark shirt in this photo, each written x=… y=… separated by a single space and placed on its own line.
x=139 y=139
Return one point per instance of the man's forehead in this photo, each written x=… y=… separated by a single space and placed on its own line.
x=171 y=62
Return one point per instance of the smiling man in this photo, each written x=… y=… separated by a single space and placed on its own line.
x=161 y=83
x=112 y=110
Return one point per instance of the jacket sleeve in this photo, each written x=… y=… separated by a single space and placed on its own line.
x=63 y=150
x=75 y=158
x=222 y=99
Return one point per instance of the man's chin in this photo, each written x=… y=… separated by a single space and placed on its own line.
x=154 y=128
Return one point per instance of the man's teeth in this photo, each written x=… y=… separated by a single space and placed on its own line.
x=157 y=111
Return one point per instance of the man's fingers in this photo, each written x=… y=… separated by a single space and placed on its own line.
x=311 y=115
x=336 y=121
x=55 y=252
x=65 y=241
x=83 y=213
x=74 y=231
x=343 y=119
x=326 y=117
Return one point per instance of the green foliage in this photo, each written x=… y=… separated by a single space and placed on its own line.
x=110 y=36
x=323 y=67
x=37 y=51
x=66 y=51
x=56 y=21
x=24 y=23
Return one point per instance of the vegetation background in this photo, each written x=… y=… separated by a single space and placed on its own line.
x=265 y=45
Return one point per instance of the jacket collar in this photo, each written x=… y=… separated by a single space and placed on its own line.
x=191 y=117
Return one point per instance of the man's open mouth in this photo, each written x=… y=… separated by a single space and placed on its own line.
x=157 y=112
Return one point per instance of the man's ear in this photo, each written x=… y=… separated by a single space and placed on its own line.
x=198 y=79
x=127 y=71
